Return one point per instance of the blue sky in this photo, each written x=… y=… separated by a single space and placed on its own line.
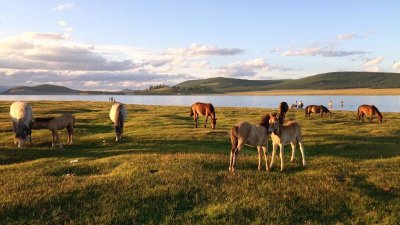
x=112 y=45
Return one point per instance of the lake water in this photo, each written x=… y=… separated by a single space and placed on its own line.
x=384 y=103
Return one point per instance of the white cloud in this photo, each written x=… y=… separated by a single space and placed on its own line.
x=324 y=51
x=63 y=7
x=347 y=36
x=203 y=50
x=65 y=25
x=248 y=68
x=371 y=64
x=396 y=66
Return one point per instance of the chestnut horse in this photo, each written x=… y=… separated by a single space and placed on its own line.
x=282 y=134
x=57 y=123
x=283 y=108
x=204 y=109
x=244 y=133
x=317 y=109
x=370 y=110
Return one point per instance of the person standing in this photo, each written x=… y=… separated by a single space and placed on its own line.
x=330 y=105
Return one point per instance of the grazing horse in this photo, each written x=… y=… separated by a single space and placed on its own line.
x=21 y=117
x=118 y=115
x=317 y=109
x=282 y=134
x=204 y=109
x=57 y=123
x=283 y=108
x=244 y=133
x=370 y=110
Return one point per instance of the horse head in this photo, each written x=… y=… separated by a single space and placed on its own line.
x=274 y=124
x=21 y=135
x=213 y=122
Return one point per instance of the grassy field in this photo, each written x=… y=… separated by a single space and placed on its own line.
x=167 y=172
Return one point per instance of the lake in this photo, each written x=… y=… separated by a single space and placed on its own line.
x=384 y=103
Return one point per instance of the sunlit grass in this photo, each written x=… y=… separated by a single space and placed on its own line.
x=166 y=171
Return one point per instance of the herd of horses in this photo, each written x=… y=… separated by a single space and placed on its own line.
x=243 y=133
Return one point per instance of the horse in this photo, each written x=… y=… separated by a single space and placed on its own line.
x=283 y=108
x=204 y=109
x=244 y=133
x=118 y=115
x=282 y=134
x=317 y=109
x=21 y=116
x=57 y=123
x=370 y=110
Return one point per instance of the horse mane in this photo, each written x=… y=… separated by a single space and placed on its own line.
x=264 y=121
x=376 y=109
x=211 y=108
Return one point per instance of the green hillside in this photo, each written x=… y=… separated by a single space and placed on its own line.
x=48 y=89
x=335 y=80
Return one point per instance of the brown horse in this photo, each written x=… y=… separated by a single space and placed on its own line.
x=370 y=110
x=317 y=109
x=57 y=123
x=204 y=109
x=244 y=133
x=283 y=108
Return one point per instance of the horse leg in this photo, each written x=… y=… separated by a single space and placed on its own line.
x=70 y=134
x=205 y=123
x=259 y=158
x=281 y=146
x=53 y=140
x=293 y=144
x=302 y=153
x=372 y=117
x=58 y=139
x=235 y=155
x=231 y=169
x=196 y=116
x=265 y=149
x=274 y=146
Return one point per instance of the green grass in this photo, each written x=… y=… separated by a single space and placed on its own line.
x=352 y=176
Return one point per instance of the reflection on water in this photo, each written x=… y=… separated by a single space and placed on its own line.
x=384 y=103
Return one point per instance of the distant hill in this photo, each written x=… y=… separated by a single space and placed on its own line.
x=335 y=80
x=48 y=89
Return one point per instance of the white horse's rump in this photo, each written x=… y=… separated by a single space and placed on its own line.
x=118 y=115
x=21 y=117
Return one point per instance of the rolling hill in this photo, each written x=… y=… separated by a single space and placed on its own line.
x=334 y=80
x=48 y=89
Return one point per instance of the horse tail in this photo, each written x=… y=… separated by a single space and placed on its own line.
x=191 y=111
x=117 y=115
x=234 y=137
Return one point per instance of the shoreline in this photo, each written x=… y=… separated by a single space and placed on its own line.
x=354 y=91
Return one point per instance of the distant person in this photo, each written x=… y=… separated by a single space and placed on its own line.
x=330 y=105
x=341 y=103
x=300 y=105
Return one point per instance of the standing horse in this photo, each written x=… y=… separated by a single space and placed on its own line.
x=282 y=134
x=317 y=109
x=118 y=115
x=370 y=110
x=21 y=117
x=57 y=123
x=204 y=109
x=283 y=108
x=244 y=133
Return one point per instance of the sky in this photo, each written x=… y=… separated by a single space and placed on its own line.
x=115 y=45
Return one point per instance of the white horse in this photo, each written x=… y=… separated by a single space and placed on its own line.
x=244 y=133
x=282 y=134
x=118 y=115
x=21 y=117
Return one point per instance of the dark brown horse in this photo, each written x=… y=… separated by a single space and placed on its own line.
x=204 y=109
x=283 y=108
x=57 y=123
x=370 y=110
x=317 y=109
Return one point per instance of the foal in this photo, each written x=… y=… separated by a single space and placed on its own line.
x=57 y=123
x=282 y=134
x=244 y=133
